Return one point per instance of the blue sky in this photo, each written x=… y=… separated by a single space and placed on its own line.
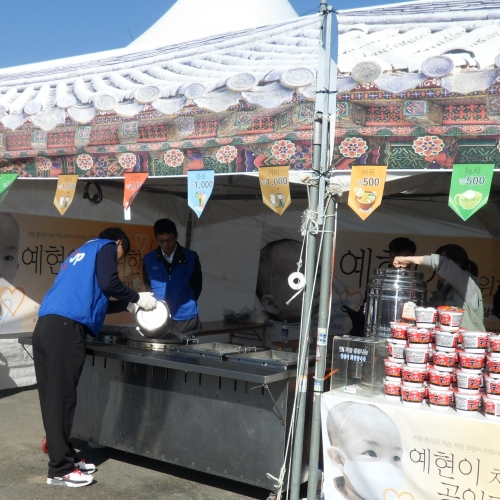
x=40 y=30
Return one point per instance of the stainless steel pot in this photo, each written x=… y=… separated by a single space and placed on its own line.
x=154 y=323
x=388 y=291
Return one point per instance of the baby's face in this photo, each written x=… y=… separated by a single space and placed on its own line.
x=370 y=437
x=9 y=247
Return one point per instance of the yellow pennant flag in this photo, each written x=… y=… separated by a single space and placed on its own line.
x=367 y=189
x=66 y=186
x=275 y=187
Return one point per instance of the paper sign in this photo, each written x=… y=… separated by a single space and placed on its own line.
x=470 y=188
x=200 y=186
x=275 y=187
x=6 y=181
x=66 y=186
x=367 y=189
x=133 y=184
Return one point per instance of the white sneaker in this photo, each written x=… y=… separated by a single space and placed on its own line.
x=74 y=479
x=84 y=467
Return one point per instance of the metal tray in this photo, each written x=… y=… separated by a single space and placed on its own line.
x=278 y=359
x=212 y=349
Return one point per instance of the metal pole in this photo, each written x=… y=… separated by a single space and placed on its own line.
x=329 y=85
x=321 y=345
x=303 y=364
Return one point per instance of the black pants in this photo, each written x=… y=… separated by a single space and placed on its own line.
x=59 y=354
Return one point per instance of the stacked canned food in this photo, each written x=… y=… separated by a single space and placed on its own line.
x=435 y=359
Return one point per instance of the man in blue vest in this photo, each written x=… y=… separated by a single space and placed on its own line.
x=75 y=306
x=173 y=274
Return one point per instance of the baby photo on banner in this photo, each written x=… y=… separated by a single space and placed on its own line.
x=377 y=451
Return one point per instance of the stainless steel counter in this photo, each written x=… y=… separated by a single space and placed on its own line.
x=225 y=418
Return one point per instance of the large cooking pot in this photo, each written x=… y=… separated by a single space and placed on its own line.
x=388 y=291
x=154 y=323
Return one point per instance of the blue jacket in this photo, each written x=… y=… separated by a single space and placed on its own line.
x=76 y=293
x=175 y=289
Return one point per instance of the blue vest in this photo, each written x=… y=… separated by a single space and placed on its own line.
x=175 y=289
x=76 y=293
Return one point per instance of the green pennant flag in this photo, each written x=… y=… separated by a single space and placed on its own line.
x=470 y=188
x=6 y=181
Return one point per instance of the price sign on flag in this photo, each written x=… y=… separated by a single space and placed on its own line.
x=65 y=192
x=200 y=186
x=470 y=188
x=6 y=181
x=133 y=184
x=367 y=188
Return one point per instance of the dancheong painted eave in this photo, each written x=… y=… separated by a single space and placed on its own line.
x=263 y=66
x=399 y=46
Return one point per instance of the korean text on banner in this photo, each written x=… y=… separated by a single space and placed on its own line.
x=275 y=187
x=6 y=181
x=470 y=188
x=133 y=184
x=200 y=186
x=386 y=451
x=65 y=192
x=367 y=188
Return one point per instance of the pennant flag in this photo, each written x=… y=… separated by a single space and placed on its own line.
x=6 y=181
x=275 y=187
x=66 y=187
x=133 y=184
x=470 y=188
x=200 y=186
x=367 y=189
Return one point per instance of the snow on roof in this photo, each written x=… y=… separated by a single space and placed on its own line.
x=398 y=46
x=263 y=66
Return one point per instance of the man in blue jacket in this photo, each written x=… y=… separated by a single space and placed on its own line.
x=173 y=274
x=75 y=306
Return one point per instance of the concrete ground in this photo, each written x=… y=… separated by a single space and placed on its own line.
x=23 y=467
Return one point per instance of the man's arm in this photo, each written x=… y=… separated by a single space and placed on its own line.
x=108 y=279
x=197 y=278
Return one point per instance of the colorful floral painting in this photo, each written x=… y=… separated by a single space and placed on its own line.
x=173 y=158
x=227 y=154
x=84 y=162
x=283 y=150
x=430 y=145
x=43 y=163
x=353 y=147
x=127 y=160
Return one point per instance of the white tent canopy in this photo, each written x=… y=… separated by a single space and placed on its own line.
x=192 y=19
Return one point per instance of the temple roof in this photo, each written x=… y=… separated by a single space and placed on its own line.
x=263 y=66
x=399 y=46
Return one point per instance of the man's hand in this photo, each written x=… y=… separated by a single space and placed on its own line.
x=146 y=301
x=132 y=307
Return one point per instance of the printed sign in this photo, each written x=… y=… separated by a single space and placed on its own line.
x=470 y=188
x=66 y=186
x=6 y=181
x=133 y=184
x=200 y=186
x=367 y=188
x=376 y=450
x=275 y=187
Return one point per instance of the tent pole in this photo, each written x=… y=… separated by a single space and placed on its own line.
x=327 y=256
x=327 y=250
x=303 y=358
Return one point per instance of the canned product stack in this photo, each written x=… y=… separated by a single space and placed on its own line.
x=435 y=360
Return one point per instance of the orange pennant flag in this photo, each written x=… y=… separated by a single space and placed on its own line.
x=367 y=189
x=133 y=184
